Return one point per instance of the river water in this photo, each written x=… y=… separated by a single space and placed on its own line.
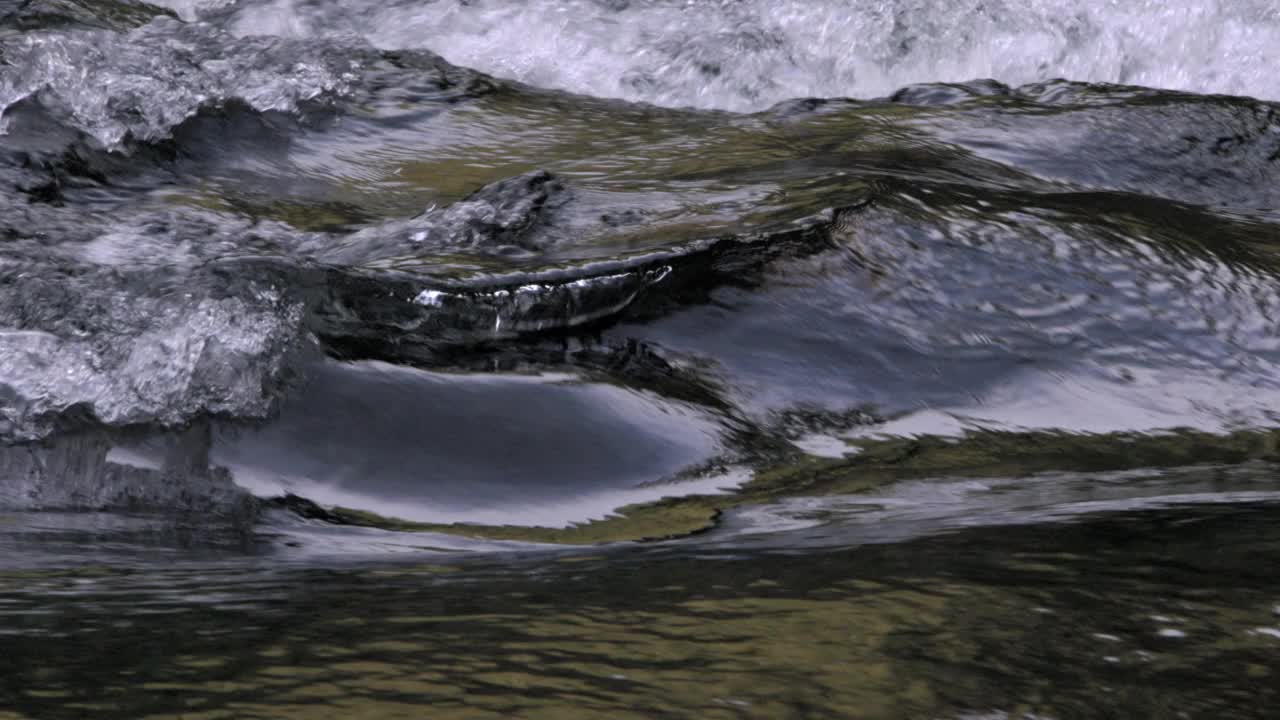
x=639 y=358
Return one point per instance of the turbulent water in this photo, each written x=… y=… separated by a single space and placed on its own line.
x=576 y=358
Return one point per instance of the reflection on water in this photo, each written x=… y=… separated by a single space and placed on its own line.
x=1162 y=613
x=465 y=448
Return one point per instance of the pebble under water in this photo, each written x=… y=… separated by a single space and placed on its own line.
x=639 y=358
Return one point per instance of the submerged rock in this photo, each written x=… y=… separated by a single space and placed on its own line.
x=191 y=210
x=508 y=217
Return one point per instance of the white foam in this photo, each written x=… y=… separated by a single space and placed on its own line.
x=749 y=54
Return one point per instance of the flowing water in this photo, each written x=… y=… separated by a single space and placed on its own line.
x=639 y=358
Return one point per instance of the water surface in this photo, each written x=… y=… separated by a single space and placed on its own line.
x=604 y=357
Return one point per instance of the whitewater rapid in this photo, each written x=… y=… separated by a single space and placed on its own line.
x=746 y=55
x=226 y=217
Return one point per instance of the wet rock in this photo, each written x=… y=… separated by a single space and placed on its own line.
x=94 y=14
x=933 y=94
x=508 y=217
x=84 y=471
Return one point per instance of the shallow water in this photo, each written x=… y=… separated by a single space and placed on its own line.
x=740 y=359
x=1155 y=613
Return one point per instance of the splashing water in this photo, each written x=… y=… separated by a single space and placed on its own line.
x=750 y=54
x=977 y=371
